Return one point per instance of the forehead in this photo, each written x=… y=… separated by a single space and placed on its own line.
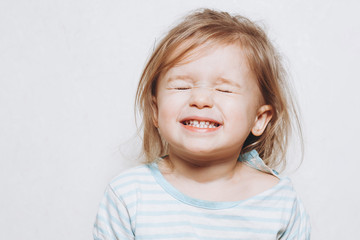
x=190 y=50
x=210 y=59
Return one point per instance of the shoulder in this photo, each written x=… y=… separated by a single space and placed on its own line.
x=255 y=180
x=131 y=179
x=265 y=179
x=272 y=187
x=138 y=172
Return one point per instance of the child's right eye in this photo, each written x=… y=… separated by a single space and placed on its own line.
x=182 y=88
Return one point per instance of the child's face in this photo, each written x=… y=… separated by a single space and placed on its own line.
x=207 y=107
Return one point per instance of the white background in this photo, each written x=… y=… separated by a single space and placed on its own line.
x=68 y=76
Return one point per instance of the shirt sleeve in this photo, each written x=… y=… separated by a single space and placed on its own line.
x=113 y=220
x=298 y=227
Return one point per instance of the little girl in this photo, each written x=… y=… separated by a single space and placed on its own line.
x=216 y=117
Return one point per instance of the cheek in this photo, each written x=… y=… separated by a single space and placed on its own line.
x=169 y=108
x=240 y=112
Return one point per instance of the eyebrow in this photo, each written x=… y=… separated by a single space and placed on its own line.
x=179 y=77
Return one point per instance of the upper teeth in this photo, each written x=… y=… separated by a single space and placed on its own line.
x=201 y=124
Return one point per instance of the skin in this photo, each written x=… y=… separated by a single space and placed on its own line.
x=216 y=87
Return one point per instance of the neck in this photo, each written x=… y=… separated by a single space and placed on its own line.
x=203 y=170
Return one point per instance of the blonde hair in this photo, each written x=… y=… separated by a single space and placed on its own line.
x=207 y=26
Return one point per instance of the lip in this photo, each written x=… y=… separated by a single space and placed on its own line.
x=200 y=130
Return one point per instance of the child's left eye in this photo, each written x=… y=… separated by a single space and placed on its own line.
x=224 y=90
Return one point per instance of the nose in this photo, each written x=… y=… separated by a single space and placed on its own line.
x=201 y=98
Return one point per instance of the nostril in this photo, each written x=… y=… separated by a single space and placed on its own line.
x=201 y=105
x=201 y=100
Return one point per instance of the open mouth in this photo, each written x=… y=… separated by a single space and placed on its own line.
x=200 y=124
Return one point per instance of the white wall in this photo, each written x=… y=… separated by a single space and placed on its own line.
x=68 y=74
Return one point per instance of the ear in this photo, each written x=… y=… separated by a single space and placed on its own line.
x=263 y=117
x=154 y=111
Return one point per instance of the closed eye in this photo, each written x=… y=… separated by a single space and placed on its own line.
x=224 y=90
x=182 y=88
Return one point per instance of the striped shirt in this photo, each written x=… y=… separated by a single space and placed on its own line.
x=141 y=204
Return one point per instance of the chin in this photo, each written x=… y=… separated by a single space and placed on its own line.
x=200 y=153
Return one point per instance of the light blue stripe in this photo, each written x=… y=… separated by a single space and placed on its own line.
x=302 y=217
x=213 y=216
x=267 y=209
x=157 y=202
x=103 y=232
x=185 y=236
x=130 y=182
x=113 y=237
x=132 y=174
x=258 y=198
x=134 y=192
x=208 y=227
x=115 y=207
x=108 y=224
x=167 y=236
x=122 y=216
x=152 y=202
x=255 y=208
x=293 y=222
x=130 y=205
x=221 y=238
x=116 y=220
x=304 y=231
x=235 y=229
x=274 y=198
x=295 y=235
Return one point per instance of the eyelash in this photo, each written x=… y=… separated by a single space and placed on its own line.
x=223 y=91
x=217 y=89
x=182 y=88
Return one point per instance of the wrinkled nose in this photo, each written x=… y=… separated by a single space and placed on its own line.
x=201 y=98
